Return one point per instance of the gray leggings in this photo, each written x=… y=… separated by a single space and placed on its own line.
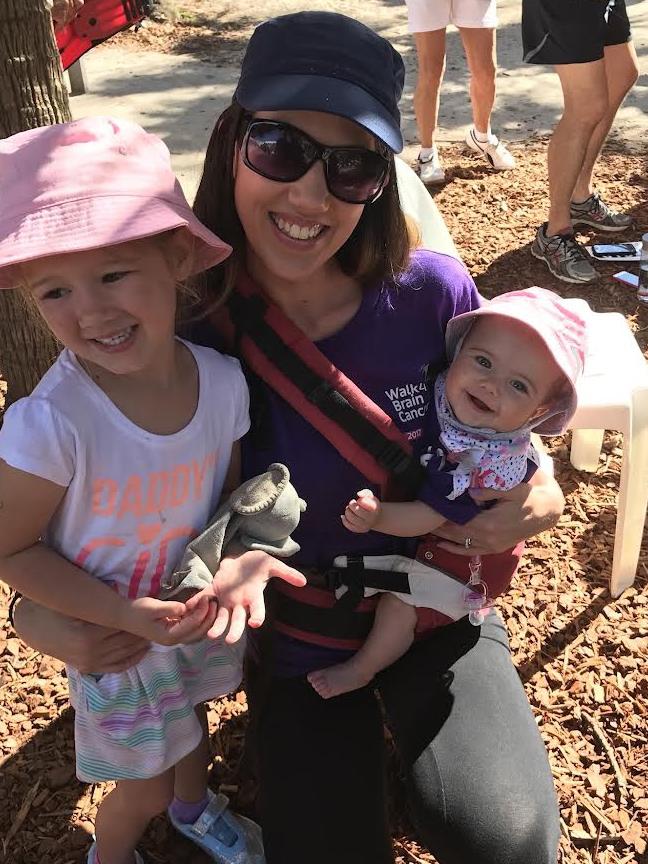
x=478 y=778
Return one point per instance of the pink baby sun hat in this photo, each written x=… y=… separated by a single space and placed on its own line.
x=90 y=183
x=561 y=328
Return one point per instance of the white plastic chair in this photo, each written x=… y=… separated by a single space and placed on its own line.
x=613 y=394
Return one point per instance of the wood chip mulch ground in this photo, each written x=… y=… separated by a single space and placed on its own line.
x=580 y=654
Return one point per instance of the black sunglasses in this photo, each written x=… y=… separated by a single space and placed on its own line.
x=279 y=151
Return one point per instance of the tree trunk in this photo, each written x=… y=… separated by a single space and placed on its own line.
x=32 y=93
x=26 y=348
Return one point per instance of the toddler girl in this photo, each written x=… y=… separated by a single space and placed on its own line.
x=117 y=459
x=515 y=364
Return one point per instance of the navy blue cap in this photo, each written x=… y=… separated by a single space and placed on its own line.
x=323 y=61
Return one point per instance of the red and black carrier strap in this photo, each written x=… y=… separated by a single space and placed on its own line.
x=281 y=355
x=314 y=614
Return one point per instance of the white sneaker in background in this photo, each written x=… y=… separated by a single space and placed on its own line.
x=500 y=158
x=430 y=169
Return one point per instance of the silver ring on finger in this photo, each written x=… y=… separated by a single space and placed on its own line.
x=467 y=542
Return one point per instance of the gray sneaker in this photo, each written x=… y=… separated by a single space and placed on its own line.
x=564 y=256
x=431 y=170
x=595 y=213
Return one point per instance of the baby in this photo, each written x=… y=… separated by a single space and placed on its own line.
x=515 y=363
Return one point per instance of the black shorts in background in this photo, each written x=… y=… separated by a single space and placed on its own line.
x=572 y=31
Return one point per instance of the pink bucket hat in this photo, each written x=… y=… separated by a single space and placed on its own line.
x=90 y=183
x=560 y=327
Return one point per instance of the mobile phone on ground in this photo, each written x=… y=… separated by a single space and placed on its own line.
x=616 y=250
x=627 y=278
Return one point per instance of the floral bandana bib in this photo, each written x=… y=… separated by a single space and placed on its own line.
x=483 y=458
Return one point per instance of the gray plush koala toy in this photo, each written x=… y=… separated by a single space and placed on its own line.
x=260 y=514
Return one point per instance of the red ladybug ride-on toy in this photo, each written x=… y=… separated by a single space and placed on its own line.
x=97 y=21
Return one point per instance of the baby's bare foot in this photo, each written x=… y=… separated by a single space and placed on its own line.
x=339 y=679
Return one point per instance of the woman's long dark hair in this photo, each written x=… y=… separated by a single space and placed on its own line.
x=378 y=248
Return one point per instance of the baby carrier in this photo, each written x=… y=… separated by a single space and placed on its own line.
x=336 y=607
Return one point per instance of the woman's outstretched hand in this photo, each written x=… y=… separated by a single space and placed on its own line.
x=518 y=514
x=238 y=588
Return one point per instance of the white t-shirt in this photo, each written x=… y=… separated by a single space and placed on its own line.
x=134 y=499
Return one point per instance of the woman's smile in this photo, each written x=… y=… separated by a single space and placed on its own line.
x=297 y=229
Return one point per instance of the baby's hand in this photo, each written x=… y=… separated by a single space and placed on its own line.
x=154 y=620
x=362 y=512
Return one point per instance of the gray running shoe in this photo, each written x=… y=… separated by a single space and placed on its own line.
x=564 y=256
x=595 y=213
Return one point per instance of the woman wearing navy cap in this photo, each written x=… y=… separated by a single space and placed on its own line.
x=299 y=177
